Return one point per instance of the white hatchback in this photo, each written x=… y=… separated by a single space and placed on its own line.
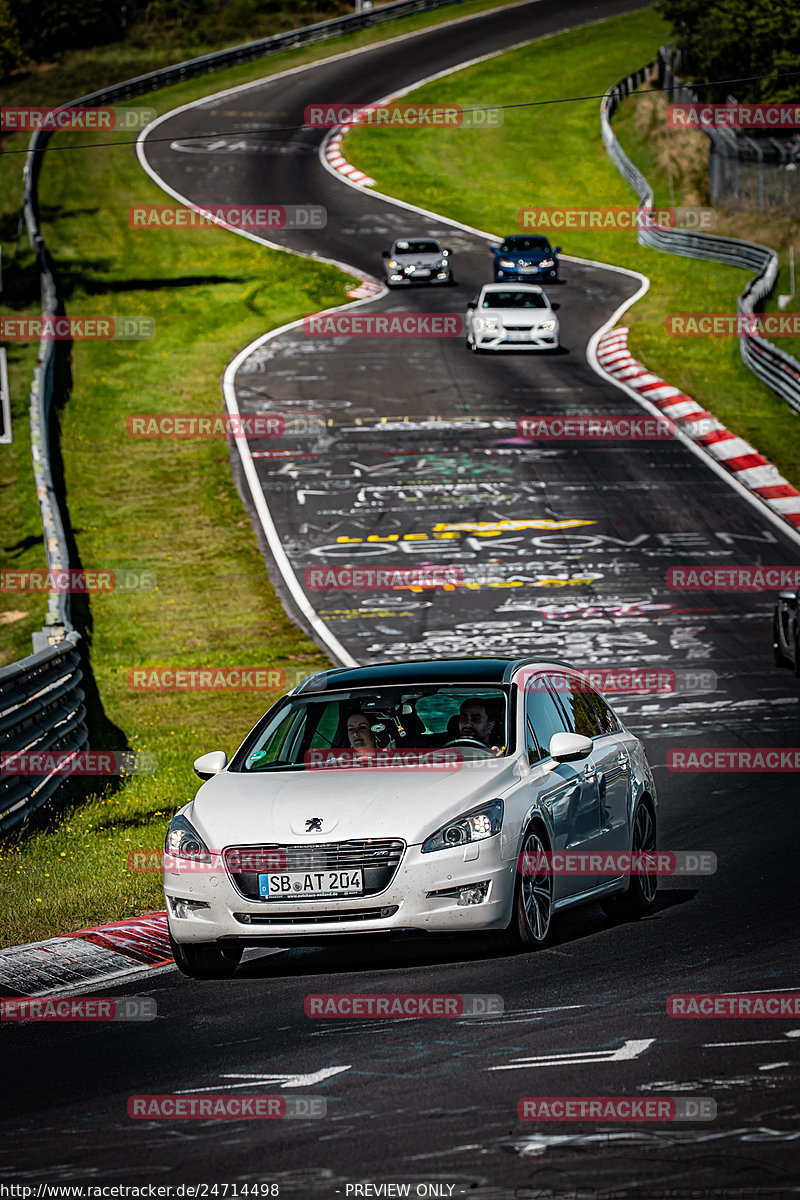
x=511 y=316
x=419 y=797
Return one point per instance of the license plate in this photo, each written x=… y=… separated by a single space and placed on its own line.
x=519 y=336
x=529 y=270
x=420 y=271
x=288 y=885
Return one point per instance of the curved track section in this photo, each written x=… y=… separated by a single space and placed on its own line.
x=415 y=460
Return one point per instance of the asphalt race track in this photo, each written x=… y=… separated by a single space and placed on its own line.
x=412 y=443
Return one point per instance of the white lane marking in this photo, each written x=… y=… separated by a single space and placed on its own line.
x=268 y=1079
x=628 y=1050
x=773 y=1066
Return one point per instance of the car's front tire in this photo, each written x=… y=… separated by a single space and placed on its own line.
x=205 y=961
x=639 y=898
x=532 y=912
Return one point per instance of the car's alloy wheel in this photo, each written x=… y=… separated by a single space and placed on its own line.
x=531 y=917
x=200 y=961
x=640 y=897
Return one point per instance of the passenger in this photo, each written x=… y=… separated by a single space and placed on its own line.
x=359 y=733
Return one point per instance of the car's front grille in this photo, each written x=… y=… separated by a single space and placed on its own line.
x=318 y=918
x=518 y=328
x=378 y=858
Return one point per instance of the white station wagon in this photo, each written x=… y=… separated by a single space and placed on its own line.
x=511 y=316
x=419 y=797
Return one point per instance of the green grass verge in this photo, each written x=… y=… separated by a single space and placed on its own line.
x=169 y=507
x=554 y=156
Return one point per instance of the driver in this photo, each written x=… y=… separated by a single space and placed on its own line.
x=474 y=721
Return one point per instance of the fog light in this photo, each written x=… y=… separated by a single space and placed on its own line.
x=476 y=894
x=184 y=908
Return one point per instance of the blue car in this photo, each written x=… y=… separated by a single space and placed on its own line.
x=524 y=258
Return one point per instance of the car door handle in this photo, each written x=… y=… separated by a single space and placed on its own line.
x=623 y=759
x=589 y=771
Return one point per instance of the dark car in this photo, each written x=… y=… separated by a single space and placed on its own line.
x=785 y=632
x=525 y=258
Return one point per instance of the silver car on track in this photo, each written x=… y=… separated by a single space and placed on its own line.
x=416 y=260
x=412 y=798
x=511 y=316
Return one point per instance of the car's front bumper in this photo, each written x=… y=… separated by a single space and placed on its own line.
x=502 y=341
x=405 y=906
x=504 y=275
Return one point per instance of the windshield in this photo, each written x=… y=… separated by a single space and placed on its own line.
x=417 y=248
x=524 y=243
x=514 y=300
x=371 y=722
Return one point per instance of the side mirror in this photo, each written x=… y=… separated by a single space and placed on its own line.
x=208 y=765
x=556 y=249
x=495 y=249
x=554 y=304
x=471 y=304
x=567 y=747
x=384 y=254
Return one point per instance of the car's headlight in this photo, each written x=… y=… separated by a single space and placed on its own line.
x=546 y=262
x=393 y=263
x=507 y=263
x=481 y=823
x=547 y=325
x=183 y=841
x=487 y=323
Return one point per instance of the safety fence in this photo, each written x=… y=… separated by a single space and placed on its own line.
x=773 y=366
x=41 y=702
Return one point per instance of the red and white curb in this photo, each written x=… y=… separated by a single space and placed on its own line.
x=737 y=456
x=335 y=158
x=87 y=956
x=366 y=290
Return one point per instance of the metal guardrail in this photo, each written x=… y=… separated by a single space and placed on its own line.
x=41 y=708
x=41 y=702
x=773 y=366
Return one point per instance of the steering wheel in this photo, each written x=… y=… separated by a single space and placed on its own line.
x=469 y=741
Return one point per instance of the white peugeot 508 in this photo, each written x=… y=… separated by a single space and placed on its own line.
x=420 y=797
